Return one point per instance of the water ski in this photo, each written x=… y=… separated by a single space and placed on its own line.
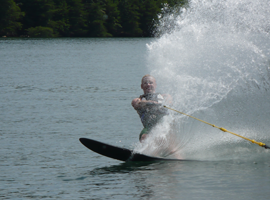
x=118 y=153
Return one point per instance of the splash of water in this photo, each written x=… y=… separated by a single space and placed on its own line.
x=213 y=57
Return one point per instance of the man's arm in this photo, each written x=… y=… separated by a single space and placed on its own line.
x=138 y=104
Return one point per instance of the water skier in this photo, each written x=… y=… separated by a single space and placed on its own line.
x=149 y=105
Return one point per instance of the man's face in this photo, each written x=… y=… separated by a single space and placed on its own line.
x=149 y=85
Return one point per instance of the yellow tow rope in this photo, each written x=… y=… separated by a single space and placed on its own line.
x=222 y=129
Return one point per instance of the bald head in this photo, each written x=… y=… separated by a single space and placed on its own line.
x=147 y=76
x=148 y=84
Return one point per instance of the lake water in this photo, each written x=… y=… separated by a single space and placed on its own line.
x=54 y=91
x=216 y=67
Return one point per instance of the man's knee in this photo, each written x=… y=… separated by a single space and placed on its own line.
x=143 y=137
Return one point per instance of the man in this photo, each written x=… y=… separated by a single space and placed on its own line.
x=149 y=105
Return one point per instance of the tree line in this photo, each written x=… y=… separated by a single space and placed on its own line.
x=81 y=18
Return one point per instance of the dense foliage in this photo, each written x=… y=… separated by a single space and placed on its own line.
x=81 y=18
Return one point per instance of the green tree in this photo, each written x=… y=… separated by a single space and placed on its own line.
x=77 y=18
x=60 y=19
x=112 y=17
x=130 y=18
x=37 y=12
x=149 y=14
x=40 y=31
x=10 y=14
x=96 y=20
x=177 y=2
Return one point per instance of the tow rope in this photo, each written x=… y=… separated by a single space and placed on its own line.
x=222 y=129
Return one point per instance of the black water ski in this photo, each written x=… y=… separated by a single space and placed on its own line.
x=118 y=153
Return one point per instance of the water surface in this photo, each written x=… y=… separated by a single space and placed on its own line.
x=54 y=91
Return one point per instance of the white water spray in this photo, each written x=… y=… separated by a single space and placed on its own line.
x=213 y=57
